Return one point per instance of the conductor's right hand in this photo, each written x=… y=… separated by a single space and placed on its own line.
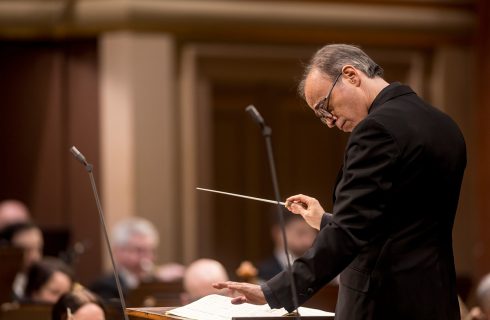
x=308 y=207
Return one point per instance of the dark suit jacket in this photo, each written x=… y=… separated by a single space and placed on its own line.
x=269 y=268
x=106 y=287
x=390 y=233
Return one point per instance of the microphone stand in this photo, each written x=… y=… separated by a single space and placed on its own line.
x=267 y=133
x=89 y=167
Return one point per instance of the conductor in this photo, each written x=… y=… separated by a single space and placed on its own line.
x=394 y=203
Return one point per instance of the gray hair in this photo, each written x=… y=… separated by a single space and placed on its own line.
x=331 y=58
x=126 y=228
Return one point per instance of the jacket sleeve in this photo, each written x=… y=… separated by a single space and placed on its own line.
x=362 y=195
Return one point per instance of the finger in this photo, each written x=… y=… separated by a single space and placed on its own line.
x=296 y=197
x=299 y=199
x=293 y=207
x=289 y=205
x=239 y=300
x=298 y=208
x=331 y=122
x=301 y=204
x=236 y=286
x=220 y=285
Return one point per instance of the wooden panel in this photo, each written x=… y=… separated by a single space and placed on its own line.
x=29 y=121
x=148 y=313
x=153 y=294
x=81 y=128
x=483 y=141
x=26 y=311
x=52 y=104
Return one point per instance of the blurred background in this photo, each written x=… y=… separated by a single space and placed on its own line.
x=153 y=93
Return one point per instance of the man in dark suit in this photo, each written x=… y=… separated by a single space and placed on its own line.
x=300 y=238
x=389 y=236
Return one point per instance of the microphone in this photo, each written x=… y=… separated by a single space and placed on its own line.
x=255 y=115
x=267 y=132
x=79 y=156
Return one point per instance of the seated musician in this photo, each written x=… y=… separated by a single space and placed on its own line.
x=199 y=278
x=47 y=281
x=78 y=304
x=12 y=212
x=134 y=241
x=300 y=237
x=27 y=237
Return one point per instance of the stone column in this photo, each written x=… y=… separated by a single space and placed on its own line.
x=139 y=147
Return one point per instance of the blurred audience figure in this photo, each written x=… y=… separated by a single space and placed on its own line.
x=199 y=277
x=13 y=212
x=27 y=237
x=47 y=281
x=79 y=304
x=482 y=311
x=300 y=237
x=134 y=242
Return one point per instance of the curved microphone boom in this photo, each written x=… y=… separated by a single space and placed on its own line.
x=79 y=156
x=267 y=132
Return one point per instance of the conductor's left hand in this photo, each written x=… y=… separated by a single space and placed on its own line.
x=242 y=292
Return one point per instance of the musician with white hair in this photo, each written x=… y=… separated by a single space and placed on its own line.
x=134 y=242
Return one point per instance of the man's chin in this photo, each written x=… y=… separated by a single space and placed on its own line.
x=340 y=123
x=346 y=126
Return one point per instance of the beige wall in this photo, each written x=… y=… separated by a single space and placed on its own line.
x=139 y=135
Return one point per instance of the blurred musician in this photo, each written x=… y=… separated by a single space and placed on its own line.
x=134 y=241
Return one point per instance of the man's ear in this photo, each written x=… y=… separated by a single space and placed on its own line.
x=351 y=74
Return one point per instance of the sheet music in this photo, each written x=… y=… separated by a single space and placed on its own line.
x=217 y=307
x=303 y=311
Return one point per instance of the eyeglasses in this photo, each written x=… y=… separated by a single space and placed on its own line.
x=322 y=107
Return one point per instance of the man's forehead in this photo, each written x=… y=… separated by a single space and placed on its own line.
x=141 y=239
x=315 y=85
